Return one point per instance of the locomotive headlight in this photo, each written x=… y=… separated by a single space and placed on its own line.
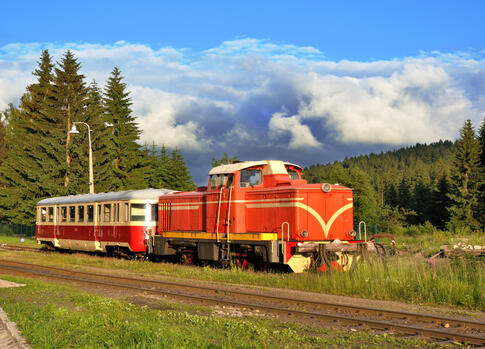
x=326 y=187
x=304 y=233
x=353 y=233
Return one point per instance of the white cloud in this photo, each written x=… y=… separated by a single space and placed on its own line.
x=301 y=136
x=229 y=98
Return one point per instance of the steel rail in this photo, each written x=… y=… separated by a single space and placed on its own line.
x=20 y=248
x=328 y=305
x=410 y=329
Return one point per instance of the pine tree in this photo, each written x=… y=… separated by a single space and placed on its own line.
x=3 y=144
x=33 y=168
x=100 y=138
x=391 y=195
x=179 y=175
x=226 y=159
x=404 y=194
x=422 y=202
x=162 y=169
x=464 y=180
x=125 y=152
x=71 y=96
x=481 y=184
x=365 y=202
x=439 y=212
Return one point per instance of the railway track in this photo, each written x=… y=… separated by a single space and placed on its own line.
x=436 y=328
x=21 y=248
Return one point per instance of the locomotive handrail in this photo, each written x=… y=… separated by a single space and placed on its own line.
x=365 y=231
x=228 y=214
x=282 y=238
x=218 y=214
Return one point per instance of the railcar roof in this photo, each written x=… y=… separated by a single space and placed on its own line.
x=144 y=194
x=231 y=168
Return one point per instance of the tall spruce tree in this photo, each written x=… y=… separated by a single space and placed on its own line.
x=481 y=184
x=124 y=151
x=100 y=139
x=3 y=143
x=179 y=174
x=33 y=168
x=71 y=96
x=439 y=210
x=226 y=159
x=464 y=180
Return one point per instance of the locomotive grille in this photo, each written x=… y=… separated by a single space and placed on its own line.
x=166 y=216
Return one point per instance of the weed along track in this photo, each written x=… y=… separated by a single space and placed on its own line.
x=436 y=328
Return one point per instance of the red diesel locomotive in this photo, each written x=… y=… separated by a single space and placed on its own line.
x=251 y=213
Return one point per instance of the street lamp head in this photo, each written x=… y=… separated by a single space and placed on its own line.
x=107 y=124
x=73 y=130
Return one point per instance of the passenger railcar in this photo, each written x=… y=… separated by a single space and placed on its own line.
x=117 y=222
x=258 y=212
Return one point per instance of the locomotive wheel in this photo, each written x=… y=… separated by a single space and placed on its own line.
x=243 y=264
x=187 y=258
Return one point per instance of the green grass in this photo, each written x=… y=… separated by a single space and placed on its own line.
x=16 y=241
x=409 y=277
x=448 y=282
x=55 y=316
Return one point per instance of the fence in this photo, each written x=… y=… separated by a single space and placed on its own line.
x=17 y=230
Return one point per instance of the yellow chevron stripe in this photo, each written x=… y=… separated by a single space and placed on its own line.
x=325 y=226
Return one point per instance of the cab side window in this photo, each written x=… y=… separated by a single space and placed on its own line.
x=213 y=182
x=250 y=178
x=293 y=174
x=228 y=180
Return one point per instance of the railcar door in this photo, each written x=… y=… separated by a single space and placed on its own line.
x=116 y=222
x=57 y=221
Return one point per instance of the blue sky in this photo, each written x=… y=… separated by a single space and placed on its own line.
x=363 y=30
x=308 y=81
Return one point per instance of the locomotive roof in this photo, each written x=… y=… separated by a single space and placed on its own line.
x=144 y=194
x=231 y=168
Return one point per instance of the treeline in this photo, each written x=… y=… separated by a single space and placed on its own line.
x=40 y=158
x=440 y=184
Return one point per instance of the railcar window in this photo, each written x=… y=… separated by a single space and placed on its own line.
x=51 y=214
x=90 y=213
x=127 y=212
x=63 y=214
x=154 y=213
x=72 y=213
x=294 y=174
x=107 y=213
x=213 y=182
x=80 y=214
x=251 y=177
x=99 y=214
x=137 y=213
x=116 y=208
x=43 y=214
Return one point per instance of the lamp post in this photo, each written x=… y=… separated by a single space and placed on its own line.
x=91 y=176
